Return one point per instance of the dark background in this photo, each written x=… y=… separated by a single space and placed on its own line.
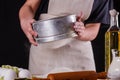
x=14 y=49
x=12 y=40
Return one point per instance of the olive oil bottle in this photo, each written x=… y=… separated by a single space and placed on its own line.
x=112 y=38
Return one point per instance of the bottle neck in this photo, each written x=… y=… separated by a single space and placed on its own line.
x=114 y=21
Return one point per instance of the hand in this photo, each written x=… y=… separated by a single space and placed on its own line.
x=79 y=26
x=26 y=26
x=86 y=32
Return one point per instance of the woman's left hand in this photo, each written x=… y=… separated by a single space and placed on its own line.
x=86 y=32
x=79 y=28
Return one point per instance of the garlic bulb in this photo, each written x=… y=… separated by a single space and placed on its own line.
x=8 y=74
x=24 y=73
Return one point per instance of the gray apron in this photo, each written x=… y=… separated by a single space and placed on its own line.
x=68 y=53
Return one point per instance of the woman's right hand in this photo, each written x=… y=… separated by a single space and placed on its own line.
x=26 y=15
x=26 y=26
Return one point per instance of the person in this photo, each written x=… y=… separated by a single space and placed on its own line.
x=71 y=54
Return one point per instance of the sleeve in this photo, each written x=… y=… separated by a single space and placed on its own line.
x=43 y=7
x=100 y=12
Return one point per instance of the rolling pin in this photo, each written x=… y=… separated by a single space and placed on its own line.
x=79 y=75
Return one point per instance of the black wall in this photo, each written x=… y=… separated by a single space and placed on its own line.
x=13 y=49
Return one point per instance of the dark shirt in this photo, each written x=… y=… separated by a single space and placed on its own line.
x=100 y=12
